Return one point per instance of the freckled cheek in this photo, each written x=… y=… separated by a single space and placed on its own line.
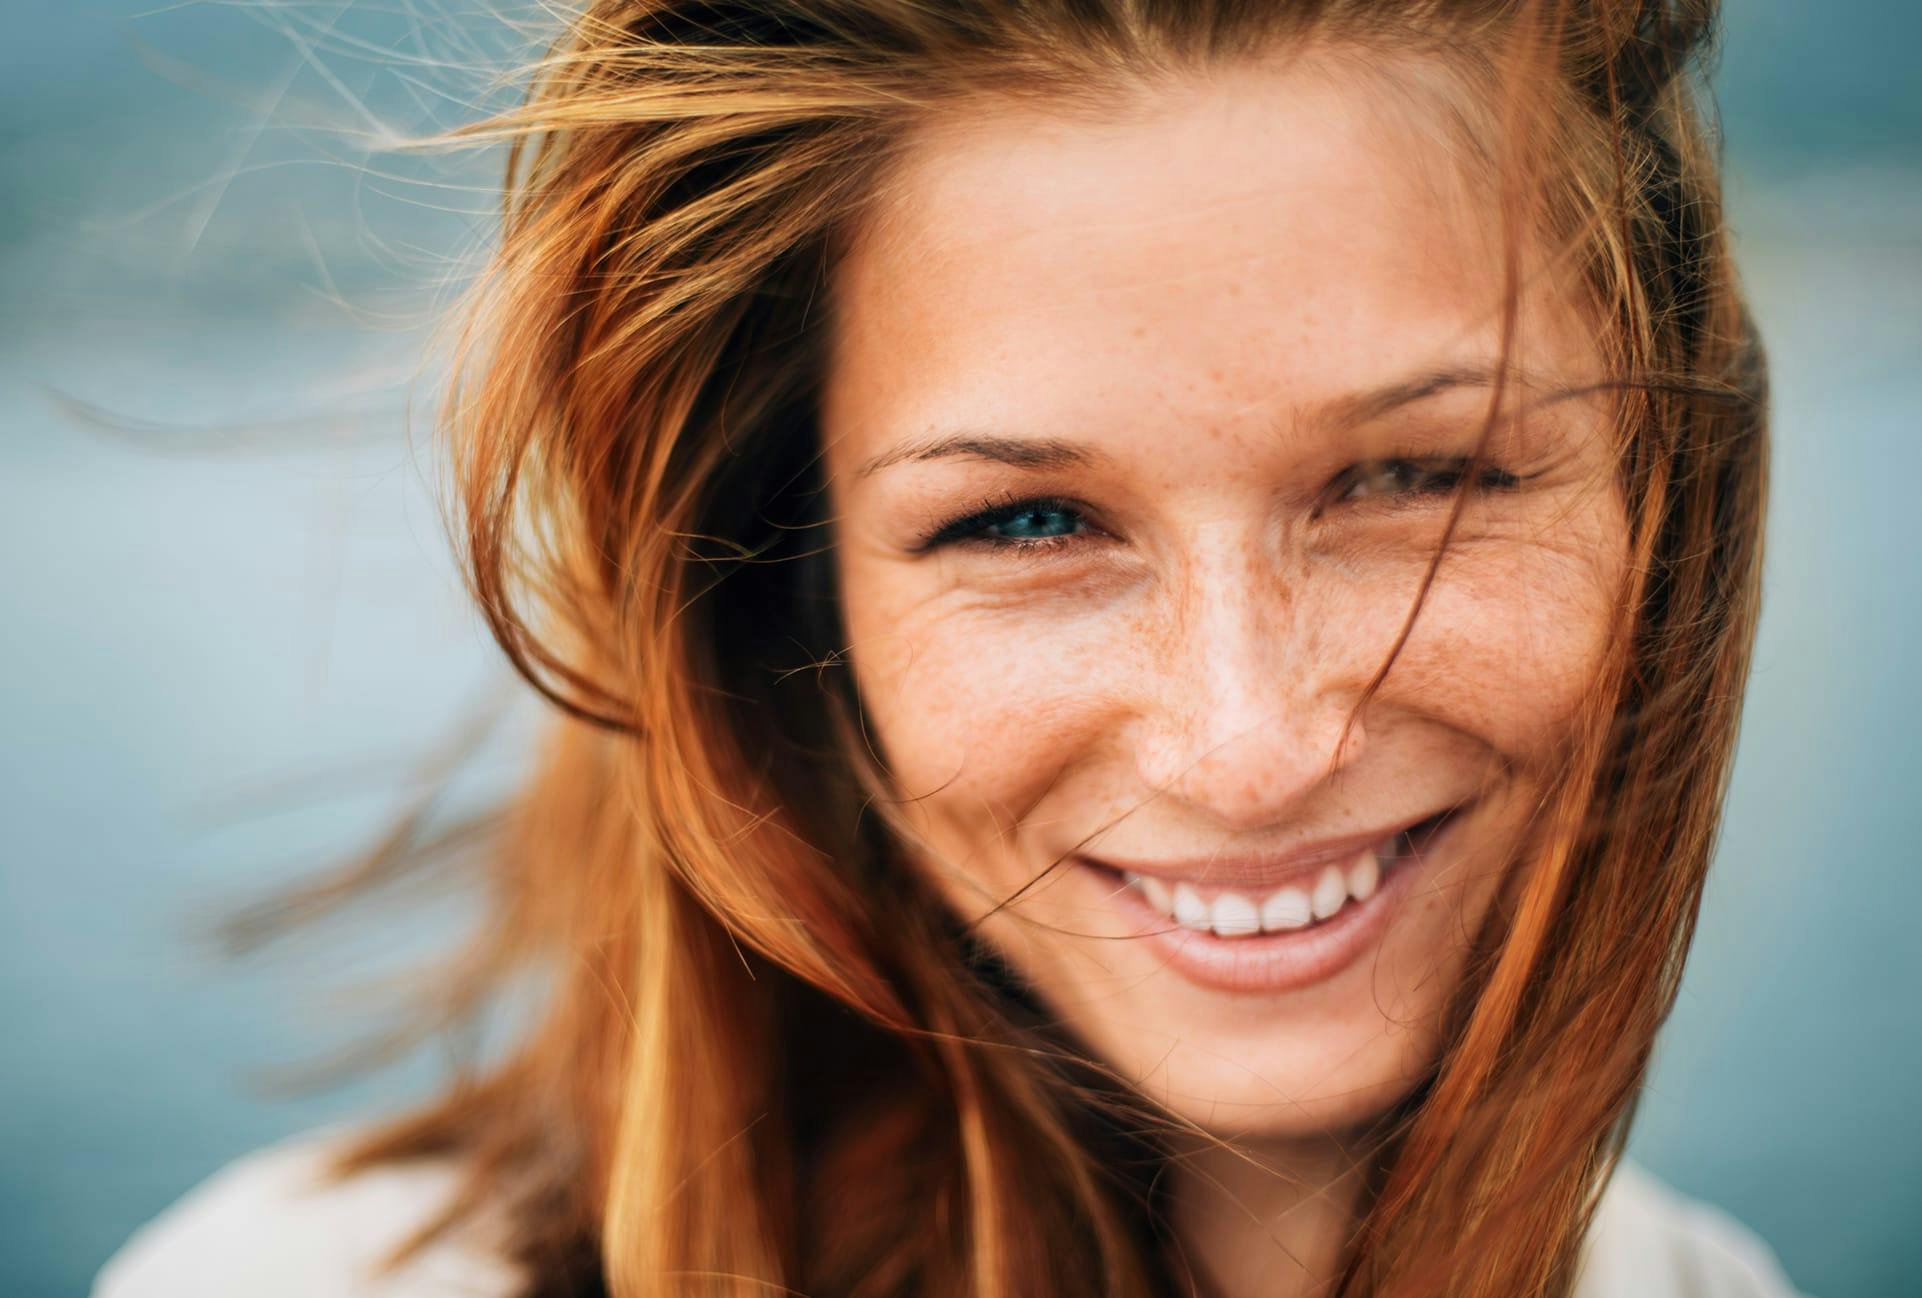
x=1510 y=645
x=979 y=704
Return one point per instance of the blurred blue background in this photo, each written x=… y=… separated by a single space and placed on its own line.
x=230 y=635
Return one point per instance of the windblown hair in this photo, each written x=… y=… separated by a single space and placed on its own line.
x=769 y=1060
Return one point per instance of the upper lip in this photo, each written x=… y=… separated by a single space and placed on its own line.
x=1266 y=869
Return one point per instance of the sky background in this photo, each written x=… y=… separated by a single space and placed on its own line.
x=232 y=643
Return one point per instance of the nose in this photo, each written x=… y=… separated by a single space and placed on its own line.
x=1252 y=711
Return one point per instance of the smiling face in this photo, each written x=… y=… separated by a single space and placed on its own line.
x=1141 y=434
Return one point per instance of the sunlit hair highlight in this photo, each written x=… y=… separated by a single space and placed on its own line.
x=769 y=1060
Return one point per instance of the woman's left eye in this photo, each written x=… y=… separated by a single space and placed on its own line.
x=1403 y=477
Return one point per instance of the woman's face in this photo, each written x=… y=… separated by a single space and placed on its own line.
x=1140 y=433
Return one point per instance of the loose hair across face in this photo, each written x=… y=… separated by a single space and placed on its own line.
x=770 y=1060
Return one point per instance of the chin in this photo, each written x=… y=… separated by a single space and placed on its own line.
x=1282 y=1085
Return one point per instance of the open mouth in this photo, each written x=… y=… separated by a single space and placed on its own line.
x=1309 y=899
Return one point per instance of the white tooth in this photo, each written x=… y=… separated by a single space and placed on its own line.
x=1158 y=895
x=1190 y=910
x=1286 y=908
x=1331 y=890
x=1235 y=916
x=1363 y=875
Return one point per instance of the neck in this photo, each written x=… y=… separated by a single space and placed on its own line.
x=1264 y=1217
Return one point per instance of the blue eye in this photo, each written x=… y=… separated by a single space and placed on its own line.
x=1016 y=523
x=1034 y=522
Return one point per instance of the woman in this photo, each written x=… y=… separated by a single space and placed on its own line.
x=1150 y=601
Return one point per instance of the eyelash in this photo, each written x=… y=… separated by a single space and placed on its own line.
x=1441 y=476
x=990 y=512
x=1435 y=478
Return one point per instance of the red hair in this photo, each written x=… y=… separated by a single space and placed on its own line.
x=770 y=1061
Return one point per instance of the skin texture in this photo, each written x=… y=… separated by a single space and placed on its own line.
x=1188 y=299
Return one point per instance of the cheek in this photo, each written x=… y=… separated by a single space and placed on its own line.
x=968 y=703
x=1514 y=635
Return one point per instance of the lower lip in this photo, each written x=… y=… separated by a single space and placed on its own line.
x=1268 y=962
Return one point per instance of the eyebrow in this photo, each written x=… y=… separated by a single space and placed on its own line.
x=1021 y=452
x=1361 y=407
x=1342 y=412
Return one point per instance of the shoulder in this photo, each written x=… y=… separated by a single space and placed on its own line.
x=275 y=1222
x=1648 y=1240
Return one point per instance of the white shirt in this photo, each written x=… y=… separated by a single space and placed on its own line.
x=270 y=1223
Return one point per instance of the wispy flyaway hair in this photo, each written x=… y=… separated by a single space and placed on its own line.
x=771 y=1062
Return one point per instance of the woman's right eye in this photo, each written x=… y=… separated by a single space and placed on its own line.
x=1018 y=524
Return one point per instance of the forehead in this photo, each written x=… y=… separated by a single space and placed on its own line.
x=1260 y=235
